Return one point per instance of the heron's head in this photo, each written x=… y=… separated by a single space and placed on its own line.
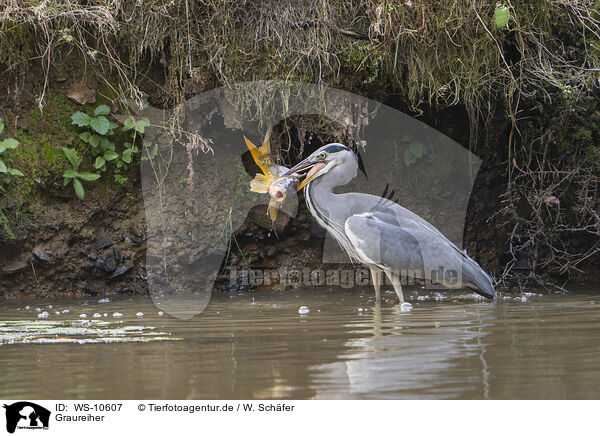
x=324 y=160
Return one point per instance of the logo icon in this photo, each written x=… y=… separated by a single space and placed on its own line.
x=26 y=415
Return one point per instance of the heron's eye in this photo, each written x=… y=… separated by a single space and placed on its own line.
x=323 y=155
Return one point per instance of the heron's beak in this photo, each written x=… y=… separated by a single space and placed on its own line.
x=314 y=166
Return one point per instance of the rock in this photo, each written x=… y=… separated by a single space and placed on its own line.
x=102 y=243
x=81 y=94
x=134 y=237
x=14 y=267
x=122 y=269
x=39 y=253
x=111 y=260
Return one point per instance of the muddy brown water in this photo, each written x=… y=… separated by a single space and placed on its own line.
x=257 y=346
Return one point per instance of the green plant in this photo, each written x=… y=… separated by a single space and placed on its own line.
x=98 y=133
x=414 y=150
x=73 y=174
x=98 y=130
x=5 y=169
x=5 y=145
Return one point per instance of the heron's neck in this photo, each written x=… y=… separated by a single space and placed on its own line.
x=322 y=202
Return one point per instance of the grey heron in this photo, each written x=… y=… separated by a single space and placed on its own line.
x=380 y=233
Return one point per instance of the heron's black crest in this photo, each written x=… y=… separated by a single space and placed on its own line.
x=334 y=148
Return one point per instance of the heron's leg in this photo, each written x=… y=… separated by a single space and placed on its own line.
x=376 y=274
x=395 y=279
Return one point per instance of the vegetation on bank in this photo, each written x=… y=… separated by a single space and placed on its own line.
x=527 y=73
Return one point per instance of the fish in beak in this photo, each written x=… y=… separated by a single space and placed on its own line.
x=272 y=180
x=315 y=166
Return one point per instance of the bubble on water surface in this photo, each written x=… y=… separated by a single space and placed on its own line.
x=303 y=310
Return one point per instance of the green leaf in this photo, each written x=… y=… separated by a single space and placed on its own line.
x=128 y=124
x=67 y=181
x=15 y=172
x=70 y=174
x=88 y=177
x=127 y=155
x=106 y=144
x=110 y=155
x=113 y=126
x=409 y=158
x=100 y=124
x=416 y=148
x=85 y=136
x=501 y=16
x=3 y=168
x=8 y=144
x=95 y=140
x=11 y=143
x=102 y=110
x=141 y=125
x=78 y=189
x=80 y=119
x=1 y=127
x=100 y=162
x=71 y=156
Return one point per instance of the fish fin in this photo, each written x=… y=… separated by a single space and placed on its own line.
x=257 y=155
x=273 y=209
x=259 y=184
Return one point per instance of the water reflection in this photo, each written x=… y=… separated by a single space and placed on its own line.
x=413 y=356
x=258 y=346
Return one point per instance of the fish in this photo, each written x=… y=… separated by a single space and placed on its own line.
x=271 y=181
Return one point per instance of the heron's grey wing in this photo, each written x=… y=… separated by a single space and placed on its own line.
x=406 y=248
x=384 y=243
